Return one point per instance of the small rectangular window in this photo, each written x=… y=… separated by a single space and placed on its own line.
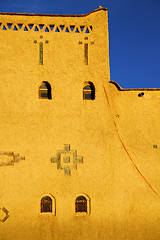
x=44 y=95
x=46 y=204
x=81 y=204
x=46 y=208
x=87 y=96
x=81 y=207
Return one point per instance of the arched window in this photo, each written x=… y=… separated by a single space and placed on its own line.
x=45 y=91
x=81 y=204
x=89 y=91
x=46 y=204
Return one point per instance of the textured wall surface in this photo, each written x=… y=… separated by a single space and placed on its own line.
x=106 y=149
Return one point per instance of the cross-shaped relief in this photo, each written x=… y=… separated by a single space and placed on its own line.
x=41 y=49
x=86 y=49
x=67 y=159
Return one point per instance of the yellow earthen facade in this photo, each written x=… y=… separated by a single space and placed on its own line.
x=104 y=150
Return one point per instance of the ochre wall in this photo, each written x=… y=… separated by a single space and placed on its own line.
x=115 y=135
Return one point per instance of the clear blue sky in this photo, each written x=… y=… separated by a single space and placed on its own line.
x=134 y=27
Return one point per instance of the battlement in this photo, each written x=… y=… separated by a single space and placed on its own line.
x=45 y=27
x=39 y=22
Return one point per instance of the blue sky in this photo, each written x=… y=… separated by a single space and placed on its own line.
x=134 y=28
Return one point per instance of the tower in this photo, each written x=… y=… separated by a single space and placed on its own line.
x=68 y=145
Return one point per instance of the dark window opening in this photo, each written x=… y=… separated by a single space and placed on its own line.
x=45 y=91
x=81 y=204
x=89 y=91
x=46 y=204
x=87 y=95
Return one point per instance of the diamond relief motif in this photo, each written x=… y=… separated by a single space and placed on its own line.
x=67 y=160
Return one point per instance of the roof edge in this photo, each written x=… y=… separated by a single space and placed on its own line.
x=55 y=15
x=133 y=89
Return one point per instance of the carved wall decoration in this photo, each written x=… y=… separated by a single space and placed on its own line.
x=86 y=48
x=45 y=27
x=4 y=214
x=41 y=43
x=67 y=160
x=9 y=158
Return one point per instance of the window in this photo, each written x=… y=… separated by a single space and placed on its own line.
x=89 y=91
x=46 y=204
x=81 y=204
x=45 y=91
